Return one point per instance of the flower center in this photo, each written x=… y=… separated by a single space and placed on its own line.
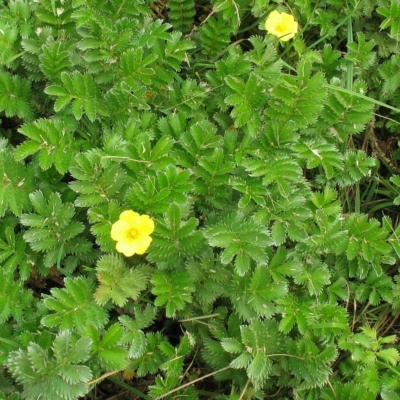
x=132 y=234
x=281 y=28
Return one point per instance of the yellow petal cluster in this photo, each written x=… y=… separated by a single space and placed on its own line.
x=132 y=233
x=282 y=25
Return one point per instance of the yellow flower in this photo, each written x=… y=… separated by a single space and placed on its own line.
x=132 y=232
x=282 y=25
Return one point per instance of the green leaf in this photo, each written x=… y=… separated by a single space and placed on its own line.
x=175 y=240
x=174 y=217
x=346 y=113
x=117 y=282
x=16 y=182
x=319 y=152
x=15 y=300
x=43 y=376
x=52 y=139
x=298 y=99
x=112 y=336
x=256 y=294
x=95 y=182
x=360 y=52
x=111 y=353
x=242 y=264
x=278 y=233
x=181 y=14
x=83 y=93
x=68 y=350
x=73 y=306
x=390 y=356
x=231 y=345
x=241 y=361
x=15 y=96
x=315 y=276
x=259 y=368
x=242 y=237
x=53 y=231
x=173 y=290
x=26 y=149
x=247 y=101
x=56 y=90
x=135 y=65
x=215 y=35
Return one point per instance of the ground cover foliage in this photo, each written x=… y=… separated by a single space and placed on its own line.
x=268 y=167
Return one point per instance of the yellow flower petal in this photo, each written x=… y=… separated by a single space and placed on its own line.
x=286 y=36
x=130 y=217
x=126 y=247
x=146 y=225
x=273 y=18
x=287 y=18
x=132 y=232
x=282 y=25
x=136 y=246
x=120 y=230
x=143 y=244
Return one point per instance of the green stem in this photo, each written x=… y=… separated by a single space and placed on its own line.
x=62 y=270
x=130 y=388
x=335 y=28
x=350 y=65
x=9 y=342
x=389 y=367
x=193 y=382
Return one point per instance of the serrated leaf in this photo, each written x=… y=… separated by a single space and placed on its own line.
x=278 y=233
x=231 y=345
x=390 y=356
x=73 y=306
x=259 y=368
x=26 y=149
x=112 y=336
x=242 y=264
x=242 y=361
x=55 y=90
